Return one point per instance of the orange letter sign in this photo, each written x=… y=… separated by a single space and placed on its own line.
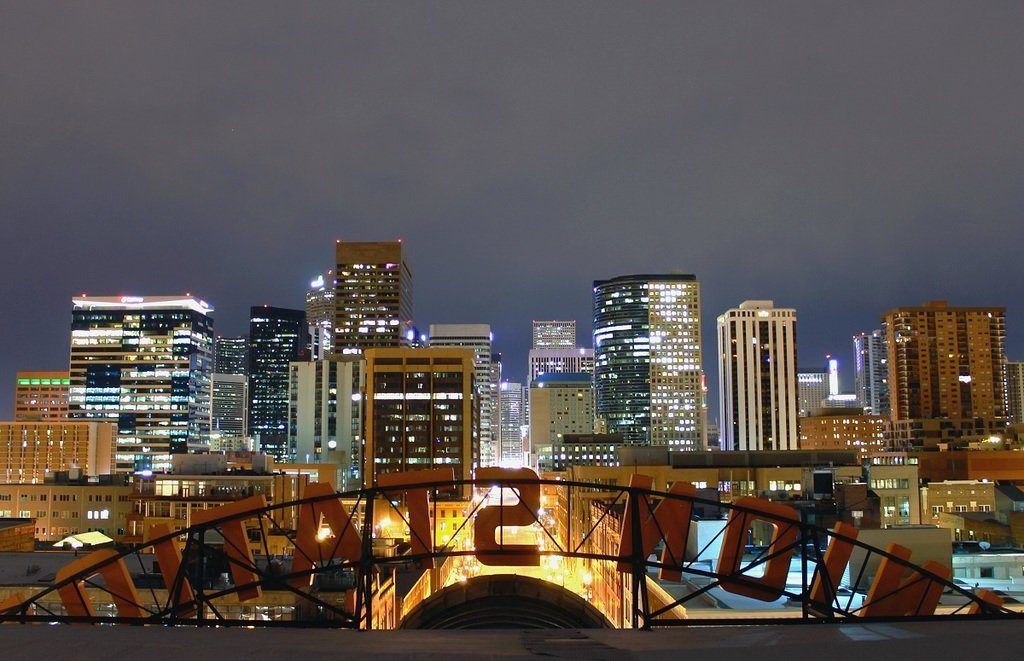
x=344 y=541
x=772 y=584
x=490 y=551
x=670 y=521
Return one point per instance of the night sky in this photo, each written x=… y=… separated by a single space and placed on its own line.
x=840 y=158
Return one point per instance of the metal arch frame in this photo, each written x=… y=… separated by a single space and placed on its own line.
x=205 y=612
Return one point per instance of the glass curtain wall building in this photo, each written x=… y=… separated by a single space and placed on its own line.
x=231 y=355
x=277 y=336
x=649 y=383
x=320 y=316
x=144 y=363
x=871 y=367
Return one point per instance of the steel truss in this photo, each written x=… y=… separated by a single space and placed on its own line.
x=189 y=598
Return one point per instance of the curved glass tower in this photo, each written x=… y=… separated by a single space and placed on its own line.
x=649 y=383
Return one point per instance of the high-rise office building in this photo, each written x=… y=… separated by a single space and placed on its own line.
x=144 y=362
x=947 y=362
x=871 y=372
x=320 y=316
x=568 y=360
x=41 y=396
x=372 y=296
x=512 y=403
x=420 y=411
x=647 y=360
x=493 y=455
x=1015 y=391
x=325 y=422
x=554 y=334
x=277 y=337
x=757 y=377
x=231 y=355
x=812 y=385
x=562 y=404
x=229 y=403
x=478 y=338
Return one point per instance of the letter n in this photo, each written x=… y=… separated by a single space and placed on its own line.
x=669 y=521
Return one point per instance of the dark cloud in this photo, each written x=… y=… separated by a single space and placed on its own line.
x=840 y=158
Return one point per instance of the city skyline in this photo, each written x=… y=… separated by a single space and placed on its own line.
x=855 y=169
x=521 y=342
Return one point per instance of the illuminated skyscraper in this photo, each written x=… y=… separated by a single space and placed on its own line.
x=420 y=411
x=561 y=404
x=325 y=422
x=512 y=404
x=554 y=334
x=372 y=297
x=812 y=389
x=947 y=362
x=757 y=377
x=871 y=370
x=145 y=363
x=41 y=396
x=1015 y=391
x=320 y=316
x=565 y=360
x=231 y=355
x=647 y=360
x=478 y=338
x=277 y=336
x=229 y=405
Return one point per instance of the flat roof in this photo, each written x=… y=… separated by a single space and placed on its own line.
x=649 y=277
x=143 y=303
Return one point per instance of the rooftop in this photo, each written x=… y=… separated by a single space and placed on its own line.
x=186 y=302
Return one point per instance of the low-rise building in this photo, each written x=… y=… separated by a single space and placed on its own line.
x=957 y=496
x=17 y=535
x=30 y=450
x=70 y=504
x=781 y=475
x=843 y=429
x=993 y=465
x=580 y=450
x=203 y=482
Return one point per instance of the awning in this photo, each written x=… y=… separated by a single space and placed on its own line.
x=91 y=538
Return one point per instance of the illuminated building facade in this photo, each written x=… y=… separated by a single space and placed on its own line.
x=812 y=389
x=372 y=296
x=757 y=377
x=561 y=404
x=30 y=450
x=1015 y=391
x=420 y=411
x=647 y=360
x=554 y=334
x=229 y=400
x=41 y=395
x=871 y=372
x=579 y=450
x=947 y=362
x=320 y=316
x=570 y=360
x=325 y=422
x=231 y=355
x=277 y=337
x=512 y=419
x=844 y=429
x=144 y=363
x=477 y=337
x=65 y=506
